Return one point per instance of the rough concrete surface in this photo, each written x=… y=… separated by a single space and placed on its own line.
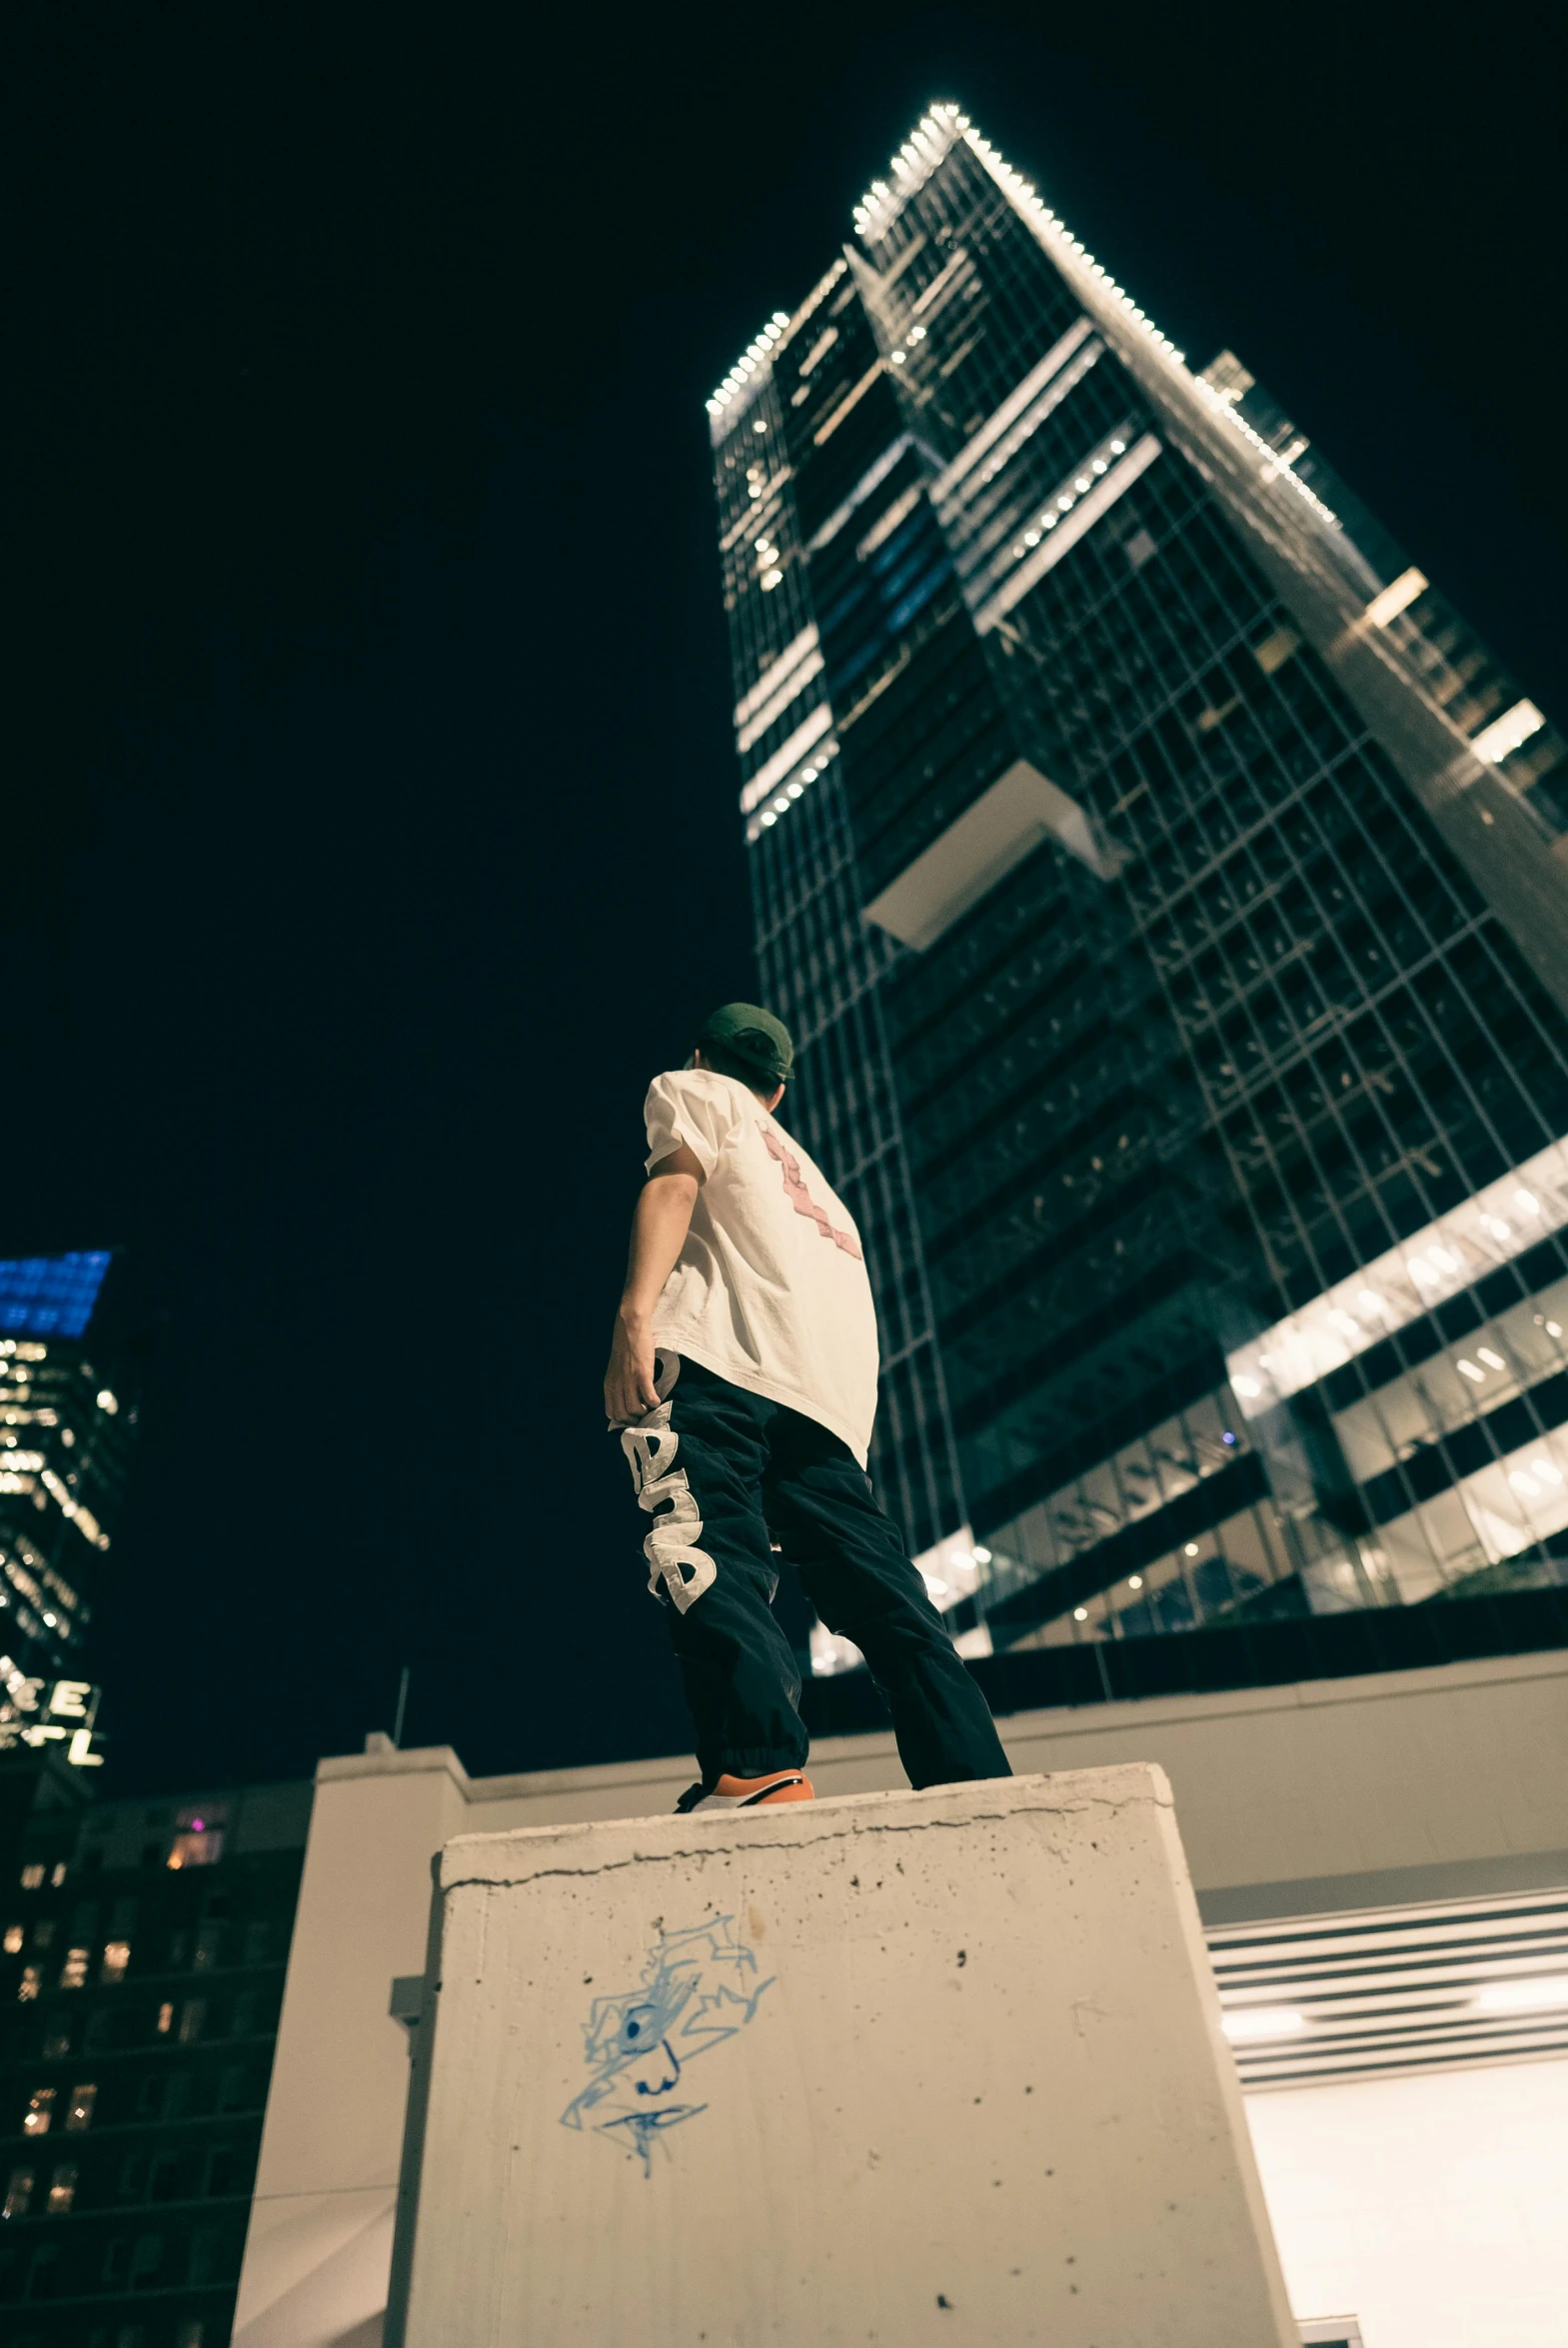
x=902 y=2068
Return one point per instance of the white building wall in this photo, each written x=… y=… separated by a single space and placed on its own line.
x=1435 y=2208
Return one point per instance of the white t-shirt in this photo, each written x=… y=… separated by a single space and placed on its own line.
x=770 y=1289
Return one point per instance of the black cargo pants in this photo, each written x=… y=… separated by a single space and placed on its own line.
x=718 y=1470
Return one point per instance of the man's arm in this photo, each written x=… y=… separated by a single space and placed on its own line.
x=659 y=1228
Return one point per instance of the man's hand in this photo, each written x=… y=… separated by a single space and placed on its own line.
x=629 y=1381
x=658 y=1230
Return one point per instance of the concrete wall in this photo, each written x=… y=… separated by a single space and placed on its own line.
x=1335 y=1794
x=910 y=2067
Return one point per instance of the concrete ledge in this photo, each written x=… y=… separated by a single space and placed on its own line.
x=905 y=2067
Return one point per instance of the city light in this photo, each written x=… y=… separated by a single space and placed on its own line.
x=1245 y=2024
x=1505 y=734
x=1396 y=597
x=1526 y=1991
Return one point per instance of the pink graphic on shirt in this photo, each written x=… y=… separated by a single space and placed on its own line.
x=800 y=1198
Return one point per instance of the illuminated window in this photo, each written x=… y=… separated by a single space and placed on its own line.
x=58 y=1877
x=56 y=2044
x=18 y=2193
x=189 y=2335
x=31 y=1981
x=198 y=1840
x=32 y=1876
x=13 y=1940
x=164 y=2019
x=62 y=2189
x=117 y=1955
x=79 y=2111
x=39 y=2112
x=73 y=1973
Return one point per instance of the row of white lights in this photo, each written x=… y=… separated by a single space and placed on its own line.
x=751 y=362
x=915 y=160
x=920 y=155
x=1526 y=1993
x=795 y=789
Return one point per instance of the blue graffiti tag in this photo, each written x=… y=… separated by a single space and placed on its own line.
x=695 y=1992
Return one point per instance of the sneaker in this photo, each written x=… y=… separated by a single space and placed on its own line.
x=749 y=1793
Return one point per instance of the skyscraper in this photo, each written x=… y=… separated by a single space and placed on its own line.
x=64 y=1440
x=1170 y=896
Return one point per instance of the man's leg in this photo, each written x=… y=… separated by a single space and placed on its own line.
x=858 y=1576
x=698 y=1461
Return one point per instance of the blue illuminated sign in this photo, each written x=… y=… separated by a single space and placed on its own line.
x=50 y=1295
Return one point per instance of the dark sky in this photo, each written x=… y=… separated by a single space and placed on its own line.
x=369 y=824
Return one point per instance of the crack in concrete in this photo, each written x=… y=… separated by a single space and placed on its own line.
x=844 y=1833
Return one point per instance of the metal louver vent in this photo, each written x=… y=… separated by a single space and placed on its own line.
x=1310 y=1999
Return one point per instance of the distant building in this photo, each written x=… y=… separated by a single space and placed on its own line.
x=66 y=1430
x=1170 y=896
x=144 y=1946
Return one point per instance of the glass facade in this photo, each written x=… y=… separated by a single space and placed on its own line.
x=143 y=1947
x=65 y=1437
x=1170 y=898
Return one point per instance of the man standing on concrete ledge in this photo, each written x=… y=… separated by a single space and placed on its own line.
x=743 y=1376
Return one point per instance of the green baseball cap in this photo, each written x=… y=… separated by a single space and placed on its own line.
x=754 y=1035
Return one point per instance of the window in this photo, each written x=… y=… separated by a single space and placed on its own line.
x=58 y=1875
x=117 y=1955
x=206 y=2254
x=45 y=2274
x=57 y=2044
x=242 y=2021
x=198 y=1840
x=18 y=2194
x=189 y=2335
x=220 y=2169
x=43 y=1932
x=73 y=1973
x=146 y=2259
x=79 y=2111
x=258 y=1943
x=164 y=2019
x=33 y=1876
x=14 y=1934
x=162 y=2183
x=62 y=2189
x=122 y=1923
x=192 y=2015
x=209 y=1947
x=231 y=2090
x=150 y=2095
x=31 y=1981
x=39 y=2112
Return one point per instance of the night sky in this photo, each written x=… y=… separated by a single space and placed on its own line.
x=369 y=817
